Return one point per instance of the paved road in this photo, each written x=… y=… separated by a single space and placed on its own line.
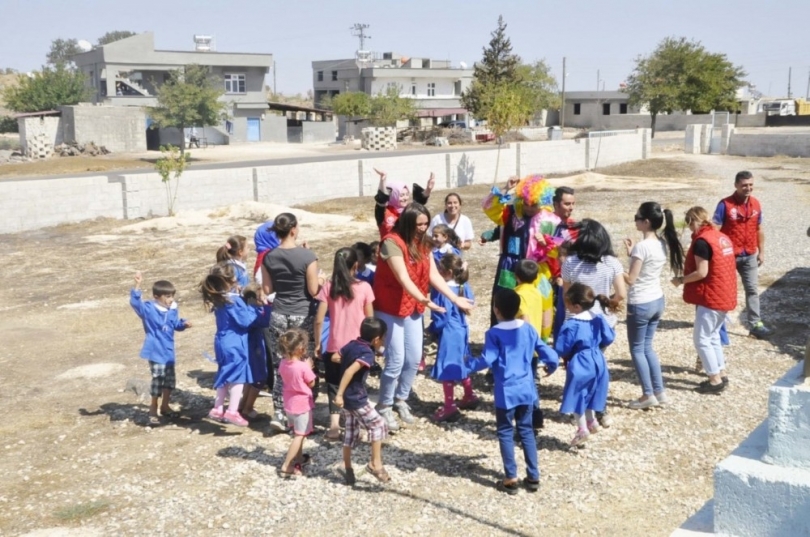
x=353 y=155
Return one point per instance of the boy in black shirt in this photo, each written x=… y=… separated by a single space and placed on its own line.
x=356 y=359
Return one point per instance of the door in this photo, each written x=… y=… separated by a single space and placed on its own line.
x=254 y=129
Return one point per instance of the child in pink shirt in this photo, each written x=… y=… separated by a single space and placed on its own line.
x=298 y=378
x=348 y=302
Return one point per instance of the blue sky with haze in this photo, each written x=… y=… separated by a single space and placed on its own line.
x=766 y=38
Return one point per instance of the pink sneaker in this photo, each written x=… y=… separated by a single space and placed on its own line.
x=215 y=414
x=469 y=403
x=580 y=438
x=234 y=418
x=422 y=364
x=446 y=413
x=593 y=426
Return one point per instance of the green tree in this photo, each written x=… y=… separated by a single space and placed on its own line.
x=190 y=98
x=499 y=65
x=61 y=51
x=170 y=167
x=540 y=85
x=350 y=104
x=681 y=75
x=507 y=107
x=46 y=90
x=115 y=35
x=8 y=124
x=388 y=107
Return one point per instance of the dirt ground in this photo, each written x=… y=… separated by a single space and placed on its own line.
x=79 y=457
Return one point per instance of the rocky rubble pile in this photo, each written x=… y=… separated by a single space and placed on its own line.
x=74 y=149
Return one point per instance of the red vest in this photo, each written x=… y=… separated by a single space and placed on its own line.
x=718 y=290
x=389 y=296
x=741 y=224
x=389 y=221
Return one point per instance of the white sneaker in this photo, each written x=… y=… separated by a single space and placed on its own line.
x=662 y=398
x=638 y=404
x=390 y=420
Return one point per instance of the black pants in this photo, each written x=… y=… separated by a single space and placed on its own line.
x=332 y=377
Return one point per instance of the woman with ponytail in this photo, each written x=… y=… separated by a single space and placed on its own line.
x=645 y=298
x=348 y=301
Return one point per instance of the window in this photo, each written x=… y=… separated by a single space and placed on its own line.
x=320 y=76
x=622 y=108
x=235 y=84
x=334 y=76
x=431 y=89
x=605 y=109
x=413 y=88
x=577 y=109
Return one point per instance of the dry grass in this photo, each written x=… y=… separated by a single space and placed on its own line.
x=653 y=168
x=81 y=511
x=70 y=165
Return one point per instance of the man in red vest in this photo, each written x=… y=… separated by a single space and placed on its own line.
x=739 y=217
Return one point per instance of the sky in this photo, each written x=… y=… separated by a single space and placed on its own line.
x=596 y=36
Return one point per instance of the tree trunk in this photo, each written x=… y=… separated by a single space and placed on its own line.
x=497 y=164
x=653 y=115
x=182 y=142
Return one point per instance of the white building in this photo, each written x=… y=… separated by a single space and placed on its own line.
x=435 y=85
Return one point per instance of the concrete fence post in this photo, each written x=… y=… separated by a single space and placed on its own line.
x=255 y=185
x=725 y=140
x=447 y=172
x=705 y=139
x=587 y=153
x=360 y=177
x=122 y=180
x=691 y=144
x=517 y=161
x=646 y=143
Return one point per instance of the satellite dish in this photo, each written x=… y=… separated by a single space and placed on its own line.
x=85 y=45
x=463 y=65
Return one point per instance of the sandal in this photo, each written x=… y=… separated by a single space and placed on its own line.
x=289 y=475
x=509 y=488
x=531 y=484
x=153 y=421
x=381 y=475
x=170 y=414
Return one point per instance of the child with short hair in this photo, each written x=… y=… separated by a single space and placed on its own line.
x=356 y=359
x=375 y=251
x=453 y=333
x=580 y=344
x=509 y=349
x=160 y=321
x=532 y=310
x=233 y=252
x=299 y=379
x=234 y=318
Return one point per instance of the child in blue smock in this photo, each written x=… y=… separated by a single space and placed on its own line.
x=453 y=333
x=445 y=241
x=233 y=252
x=160 y=321
x=234 y=320
x=509 y=348
x=257 y=354
x=580 y=343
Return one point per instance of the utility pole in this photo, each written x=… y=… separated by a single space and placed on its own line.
x=807 y=94
x=275 y=89
x=790 y=76
x=598 y=80
x=359 y=31
x=562 y=104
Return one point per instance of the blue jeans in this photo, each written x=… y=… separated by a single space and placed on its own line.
x=522 y=416
x=642 y=321
x=403 y=350
x=706 y=336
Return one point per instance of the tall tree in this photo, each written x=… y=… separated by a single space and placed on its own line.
x=350 y=104
x=507 y=107
x=61 y=51
x=540 y=84
x=498 y=65
x=46 y=89
x=681 y=75
x=388 y=107
x=190 y=98
x=115 y=35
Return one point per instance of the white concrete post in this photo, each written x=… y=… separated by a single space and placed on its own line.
x=727 y=133
x=691 y=144
x=705 y=139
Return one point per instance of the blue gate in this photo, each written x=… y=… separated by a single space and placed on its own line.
x=254 y=129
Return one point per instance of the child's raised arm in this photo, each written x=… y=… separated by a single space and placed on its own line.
x=135 y=295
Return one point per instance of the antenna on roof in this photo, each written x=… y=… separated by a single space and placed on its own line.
x=204 y=43
x=362 y=57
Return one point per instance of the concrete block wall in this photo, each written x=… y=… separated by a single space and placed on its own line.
x=789 y=421
x=118 y=128
x=31 y=204
x=769 y=145
x=35 y=203
x=609 y=150
x=692 y=140
x=42 y=129
x=318 y=132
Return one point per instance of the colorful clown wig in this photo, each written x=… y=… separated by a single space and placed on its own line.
x=534 y=190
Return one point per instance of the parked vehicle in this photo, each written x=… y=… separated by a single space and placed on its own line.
x=783 y=107
x=456 y=125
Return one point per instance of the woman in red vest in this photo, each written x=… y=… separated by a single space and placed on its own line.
x=710 y=283
x=405 y=272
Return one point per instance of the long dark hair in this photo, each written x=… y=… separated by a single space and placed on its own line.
x=651 y=211
x=343 y=275
x=583 y=296
x=229 y=250
x=593 y=242
x=406 y=229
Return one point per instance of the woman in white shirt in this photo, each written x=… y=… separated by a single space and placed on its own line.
x=645 y=299
x=453 y=218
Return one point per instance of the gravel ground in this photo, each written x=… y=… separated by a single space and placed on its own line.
x=78 y=458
